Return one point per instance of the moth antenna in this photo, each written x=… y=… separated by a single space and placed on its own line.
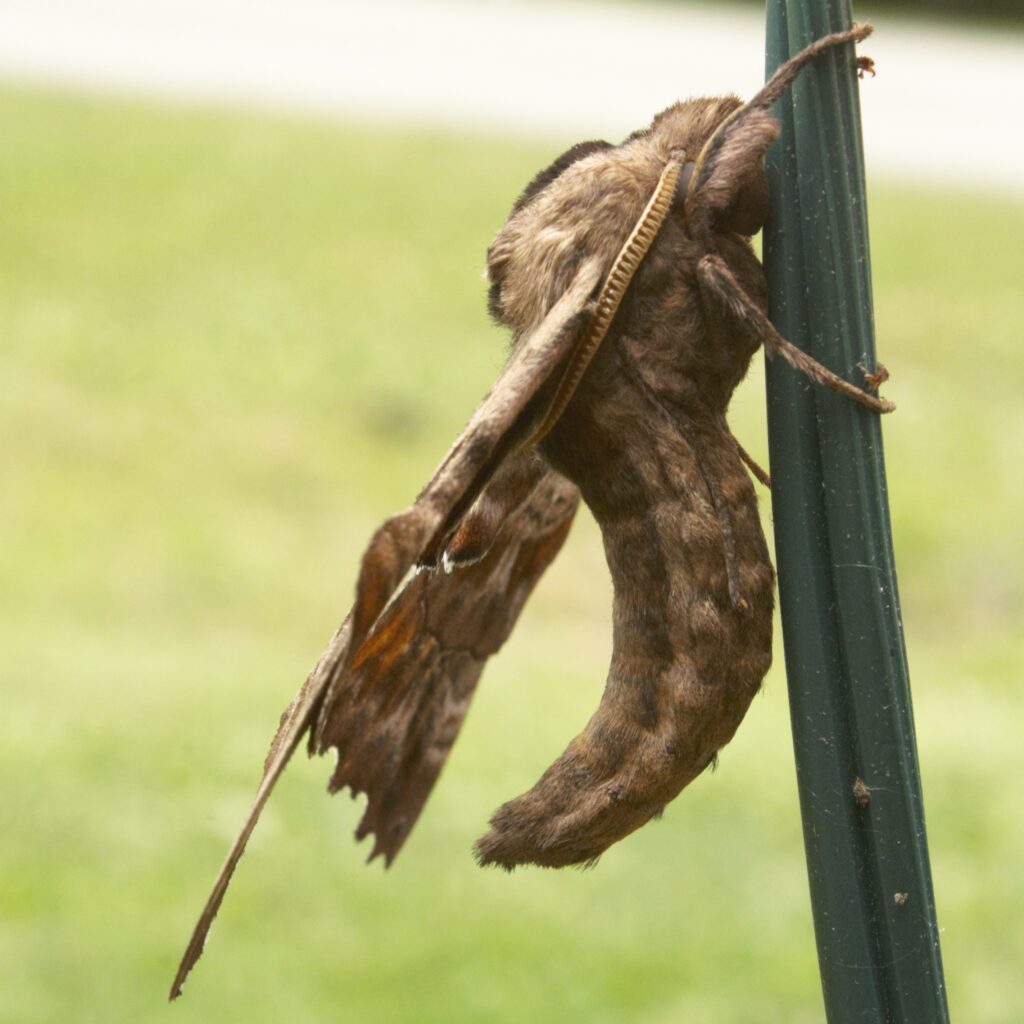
x=612 y=291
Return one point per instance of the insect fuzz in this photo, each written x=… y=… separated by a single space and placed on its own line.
x=645 y=440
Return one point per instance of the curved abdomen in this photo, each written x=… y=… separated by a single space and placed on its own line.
x=689 y=652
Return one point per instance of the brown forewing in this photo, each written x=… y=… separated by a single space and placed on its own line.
x=395 y=714
x=403 y=541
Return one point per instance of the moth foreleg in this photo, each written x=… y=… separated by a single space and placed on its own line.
x=725 y=181
x=865 y=66
x=876 y=378
x=747 y=459
x=787 y=72
x=721 y=287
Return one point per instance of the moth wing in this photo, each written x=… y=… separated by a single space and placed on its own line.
x=295 y=721
x=396 y=711
x=502 y=420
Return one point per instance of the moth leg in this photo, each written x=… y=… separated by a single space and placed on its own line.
x=787 y=72
x=478 y=529
x=718 y=283
x=725 y=175
x=759 y=474
x=721 y=509
x=874 y=378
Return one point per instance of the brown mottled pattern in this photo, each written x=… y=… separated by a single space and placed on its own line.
x=644 y=439
x=408 y=689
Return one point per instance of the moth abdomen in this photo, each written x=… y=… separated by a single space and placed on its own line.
x=687 y=659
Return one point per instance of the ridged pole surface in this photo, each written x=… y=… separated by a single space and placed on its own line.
x=853 y=728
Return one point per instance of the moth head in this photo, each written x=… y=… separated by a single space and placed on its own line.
x=587 y=201
x=727 y=188
x=723 y=187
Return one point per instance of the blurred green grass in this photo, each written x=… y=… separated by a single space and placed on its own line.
x=232 y=343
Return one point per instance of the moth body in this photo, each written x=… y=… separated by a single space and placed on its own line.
x=644 y=439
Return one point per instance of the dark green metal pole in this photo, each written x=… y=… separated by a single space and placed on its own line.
x=853 y=729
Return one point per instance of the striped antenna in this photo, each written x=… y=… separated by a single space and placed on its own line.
x=608 y=301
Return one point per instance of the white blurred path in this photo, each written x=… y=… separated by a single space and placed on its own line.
x=557 y=69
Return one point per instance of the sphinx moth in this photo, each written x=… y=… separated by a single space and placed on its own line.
x=636 y=303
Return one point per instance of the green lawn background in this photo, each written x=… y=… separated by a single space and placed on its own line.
x=229 y=345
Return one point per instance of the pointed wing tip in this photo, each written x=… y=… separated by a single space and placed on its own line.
x=283 y=747
x=197 y=941
x=184 y=969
